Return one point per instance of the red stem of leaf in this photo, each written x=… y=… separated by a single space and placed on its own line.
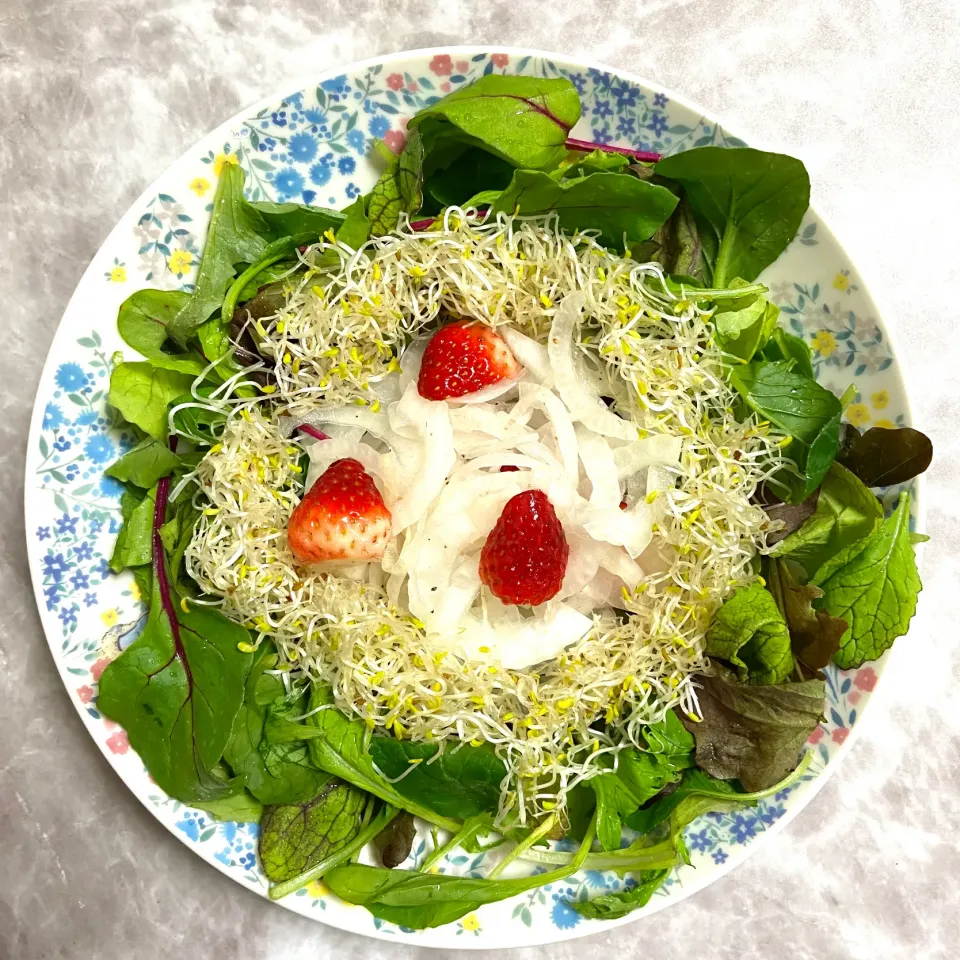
x=417 y=225
x=645 y=156
x=160 y=570
x=312 y=431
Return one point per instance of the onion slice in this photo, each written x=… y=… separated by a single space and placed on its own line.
x=582 y=401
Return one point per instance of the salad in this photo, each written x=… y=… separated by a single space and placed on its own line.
x=497 y=505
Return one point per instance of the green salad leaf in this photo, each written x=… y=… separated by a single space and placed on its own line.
x=883 y=457
x=422 y=900
x=466 y=172
x=814 y=634
x=614 y=204
x=803 y=409
x=237 y=233
x=524 y=120
x=785 y=346
x=751 y=733
x=145 y=464
x=291 y=219
x=611 y=906
x=341 y=747
x=749 y=632
x=143 y=321
x=295 y=837
x=242 y=807
x=846 y=511
x=458 y=783
x=399 y=189
x=143 y=393
x=748 y=204
x=872 y=584
x=275 y=773
x=134 y=546
x=176 y=691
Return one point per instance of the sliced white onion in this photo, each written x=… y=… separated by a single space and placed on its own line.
x=531 y=641
x=582 y=400
x=659 y=450
x=560 y=422
x=493 y=392
x=529 y=354
x=601 y=470
x=422 y=440
x=348 y=416
x=323 y=453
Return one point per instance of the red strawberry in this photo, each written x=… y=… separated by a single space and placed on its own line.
x=464 y=357
x=341 y=517
x=525 y=556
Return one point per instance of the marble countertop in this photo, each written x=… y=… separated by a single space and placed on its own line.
x=99 y=97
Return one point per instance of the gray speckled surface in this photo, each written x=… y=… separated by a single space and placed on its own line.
x=97 y=98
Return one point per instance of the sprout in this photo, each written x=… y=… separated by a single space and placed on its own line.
x=337 y=336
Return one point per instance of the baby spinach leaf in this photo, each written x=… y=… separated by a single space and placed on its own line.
x=785 y=346
x=749 y=632
x=399 y=189
x=143 y=321
x=749 y=204
x=237 y=233
x=802 y=408
x=872 y=584
x=458 y=783
x=751 y=733
x=176 y=691
x=355 y=229
x=276 y=773
x=744 y=326
x=395 y=841
x=614 y=204
x=294 y=837
x=340 y=746
x=699 y=793
x=578 y=164
x=883 y=457
x=615 y=800
x=291 y=219
x=242 y=807
x=796 y=404
x=611 y=906
x=814 y=634
x=468 y=173
x=145 y=464
x=671 y=739
x=524 y=120
x=422 y=900
x=142 y=393
x=134 y=546
x=846 y=511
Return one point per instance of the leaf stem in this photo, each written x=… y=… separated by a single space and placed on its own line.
x=521 y=848
x=471 y=827
x=280 y=890
x=585 y=146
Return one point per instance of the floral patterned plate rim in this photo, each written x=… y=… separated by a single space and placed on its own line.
x=311 y=146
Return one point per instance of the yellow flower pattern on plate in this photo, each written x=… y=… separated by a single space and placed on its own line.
x=180 y=262
x=858 y=414
x=824 y=343
x=200 y=185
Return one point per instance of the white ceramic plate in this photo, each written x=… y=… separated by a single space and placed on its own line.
x=311 y=146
